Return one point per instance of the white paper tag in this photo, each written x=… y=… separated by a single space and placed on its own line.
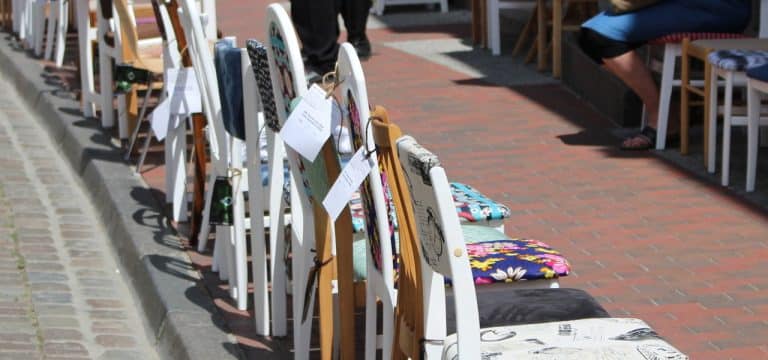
x=160 y=118
x=348 y=182
x=183 y=92
x=309 y=125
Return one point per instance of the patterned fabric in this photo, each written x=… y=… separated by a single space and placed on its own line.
x=693 y=36
x=758 y=73
x=473 y=206
x=494 y=257
x=358 y=215
x=258 y=54
x=738 y=60
x=585 y=339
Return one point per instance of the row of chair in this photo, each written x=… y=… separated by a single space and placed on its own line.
x=333 y=239
x=416 y=231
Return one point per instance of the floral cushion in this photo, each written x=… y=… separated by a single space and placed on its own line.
x=473 y=206
x=738 y=60
x=603 y=338
x=494 y=257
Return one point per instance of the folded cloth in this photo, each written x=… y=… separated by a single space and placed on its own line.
x=229 y=74
x=758 y=73
x=738 y=60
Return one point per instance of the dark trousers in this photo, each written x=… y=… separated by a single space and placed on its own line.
x=318 y=29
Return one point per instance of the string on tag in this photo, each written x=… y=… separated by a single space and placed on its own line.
x=368 y=153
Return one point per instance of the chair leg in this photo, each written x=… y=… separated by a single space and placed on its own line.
x=726 y=125
x=205 y=227
x=753 y=120
x=277 y=232
x=494 y=29
x=370 y=323
x=684 y=96
x=665 y=95
x=61 y=31
x=53 y=15
x=525 y=33
x=85 y=58
x=711 y=109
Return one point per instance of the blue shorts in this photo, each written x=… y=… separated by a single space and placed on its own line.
x=672 y=16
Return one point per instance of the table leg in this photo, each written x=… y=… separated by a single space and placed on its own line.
x=707 y=88
x=557 y=33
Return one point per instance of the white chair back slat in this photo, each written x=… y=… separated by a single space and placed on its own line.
x=288 y=82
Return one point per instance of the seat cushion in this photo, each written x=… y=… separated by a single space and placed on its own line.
x=502 y=306
x=738 y=59
x=758 y=73
x=473 y=206
x=494 y=257
x=606 y=338
x=693 y=36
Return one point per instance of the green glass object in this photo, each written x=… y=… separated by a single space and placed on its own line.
x=127 y=75
x=221 y=203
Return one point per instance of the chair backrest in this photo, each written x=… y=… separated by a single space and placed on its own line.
x=431 y=246
x=165 y=23
x=379 y=229
x=202 y=62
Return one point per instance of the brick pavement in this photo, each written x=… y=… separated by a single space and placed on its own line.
x=61 y=294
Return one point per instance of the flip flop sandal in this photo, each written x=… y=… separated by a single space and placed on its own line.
x=647 y=133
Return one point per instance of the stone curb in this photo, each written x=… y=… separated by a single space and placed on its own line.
x=179 y=312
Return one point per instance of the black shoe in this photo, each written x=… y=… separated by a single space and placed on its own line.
x=363 y=48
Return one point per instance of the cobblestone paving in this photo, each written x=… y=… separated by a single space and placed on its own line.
x=61 y=293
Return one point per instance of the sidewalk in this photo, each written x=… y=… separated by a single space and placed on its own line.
x=649 y=234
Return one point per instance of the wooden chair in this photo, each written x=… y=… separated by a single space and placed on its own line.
x=432 y=247
x=58 y=20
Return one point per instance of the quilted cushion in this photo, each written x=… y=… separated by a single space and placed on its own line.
x=678 y=37
x=502 y=305
x=494 y=257
x=737 y=59
x=473 y=206
x=610 y=338
x=758 y=73
x=228 y=73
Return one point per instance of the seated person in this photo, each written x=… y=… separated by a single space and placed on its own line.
x=610 y=39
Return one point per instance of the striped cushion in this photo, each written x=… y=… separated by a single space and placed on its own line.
x=678 y=37
x=737 y=59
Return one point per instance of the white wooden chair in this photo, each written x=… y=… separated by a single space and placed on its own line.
x=432 y=247
x=378 y=6
x=311 y=225
x=229 y=258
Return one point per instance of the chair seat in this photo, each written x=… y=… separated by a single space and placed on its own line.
x=474 y=206
x=495 y=258
x=738 y=59
x=758 y=73
x=607 y=338
x=693 y=36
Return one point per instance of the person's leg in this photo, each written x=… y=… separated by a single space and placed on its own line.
x=318 y=30
x=355 y=15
